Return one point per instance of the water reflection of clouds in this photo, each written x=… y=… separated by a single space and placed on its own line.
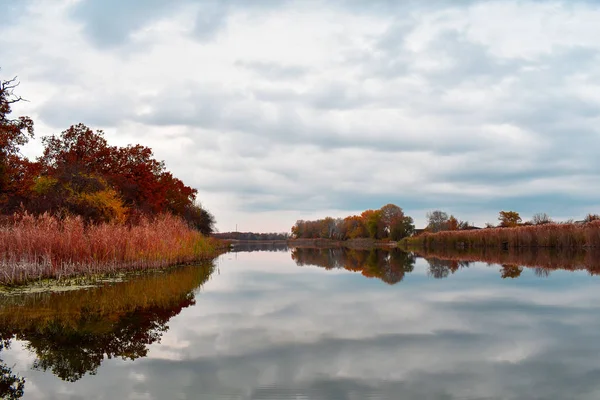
x=257 y=332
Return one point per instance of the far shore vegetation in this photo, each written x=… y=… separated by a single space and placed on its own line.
x=85 y=207
x=389 y=225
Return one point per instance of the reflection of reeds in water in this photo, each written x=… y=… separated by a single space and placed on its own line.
x=73 y=332
x=564 y=236
x=389 y=265
x=109 y=302
x=514 y=259
x=46 y=247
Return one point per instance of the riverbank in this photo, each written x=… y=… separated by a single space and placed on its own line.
x=360 y=243
x=44 y=247
x=560 y=236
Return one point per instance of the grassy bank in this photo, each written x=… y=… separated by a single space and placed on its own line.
x=358 y=243
x=33 y=248
x=561 y=236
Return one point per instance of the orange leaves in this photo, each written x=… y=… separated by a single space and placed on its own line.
x=79 y=173
x=107 y=205
x=389 y=222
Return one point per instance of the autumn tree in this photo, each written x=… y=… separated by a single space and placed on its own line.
x=394 y=221
x=354 y=227
x=464 y=225
x=437 y=221
x=14 y=133
x=541 y=219
x=509 y=219
x=452 y=224
x=139 y=181
x=374 y=223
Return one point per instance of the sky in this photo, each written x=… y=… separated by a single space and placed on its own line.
x=284 y=110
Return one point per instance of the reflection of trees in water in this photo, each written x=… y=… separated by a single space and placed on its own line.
x=542 y=272
x=512 y=261
x=511 y=271
x=71 y=333
x=12 y=386
x=389 y=265
x=440 y=268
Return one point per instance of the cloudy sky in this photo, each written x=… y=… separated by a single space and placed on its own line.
x=281 y=110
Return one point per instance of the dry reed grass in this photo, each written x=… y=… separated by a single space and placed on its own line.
x=562 y=236
x=39 y=247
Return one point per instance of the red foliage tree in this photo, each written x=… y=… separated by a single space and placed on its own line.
x=14 y=169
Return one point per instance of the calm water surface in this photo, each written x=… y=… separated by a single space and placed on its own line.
x=311 y=324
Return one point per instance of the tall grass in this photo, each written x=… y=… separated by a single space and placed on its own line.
x=47 y=247
x=562 y=236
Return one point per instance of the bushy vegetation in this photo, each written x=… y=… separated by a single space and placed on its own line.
x=85 y=207
x=79 y=173
x=36 y=247
x=554 y=235
x=389 y=222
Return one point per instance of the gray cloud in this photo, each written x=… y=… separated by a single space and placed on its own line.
x=109 y=23
x=269 y=70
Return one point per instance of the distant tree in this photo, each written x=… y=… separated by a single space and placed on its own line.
x=489 y=225
x=452 y=224
x=374 y=223
x=509 y=219
x=199 y=218
x=592 y=217
x=437 y=221
x=403 y=229
x=354 y=227
x=463 y=225
x=541 y=219
x=396 y=224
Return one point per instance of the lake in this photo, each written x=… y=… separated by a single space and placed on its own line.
x=268 y=322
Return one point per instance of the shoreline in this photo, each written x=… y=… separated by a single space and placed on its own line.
x=361 y=243
x=552 y=236
x=46 y=248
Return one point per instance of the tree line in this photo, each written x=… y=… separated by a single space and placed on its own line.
x=389 y=222
x=79 y=173
x=252 y=236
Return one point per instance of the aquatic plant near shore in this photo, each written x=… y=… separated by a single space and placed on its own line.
x=38 y=247
x=563 y=236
